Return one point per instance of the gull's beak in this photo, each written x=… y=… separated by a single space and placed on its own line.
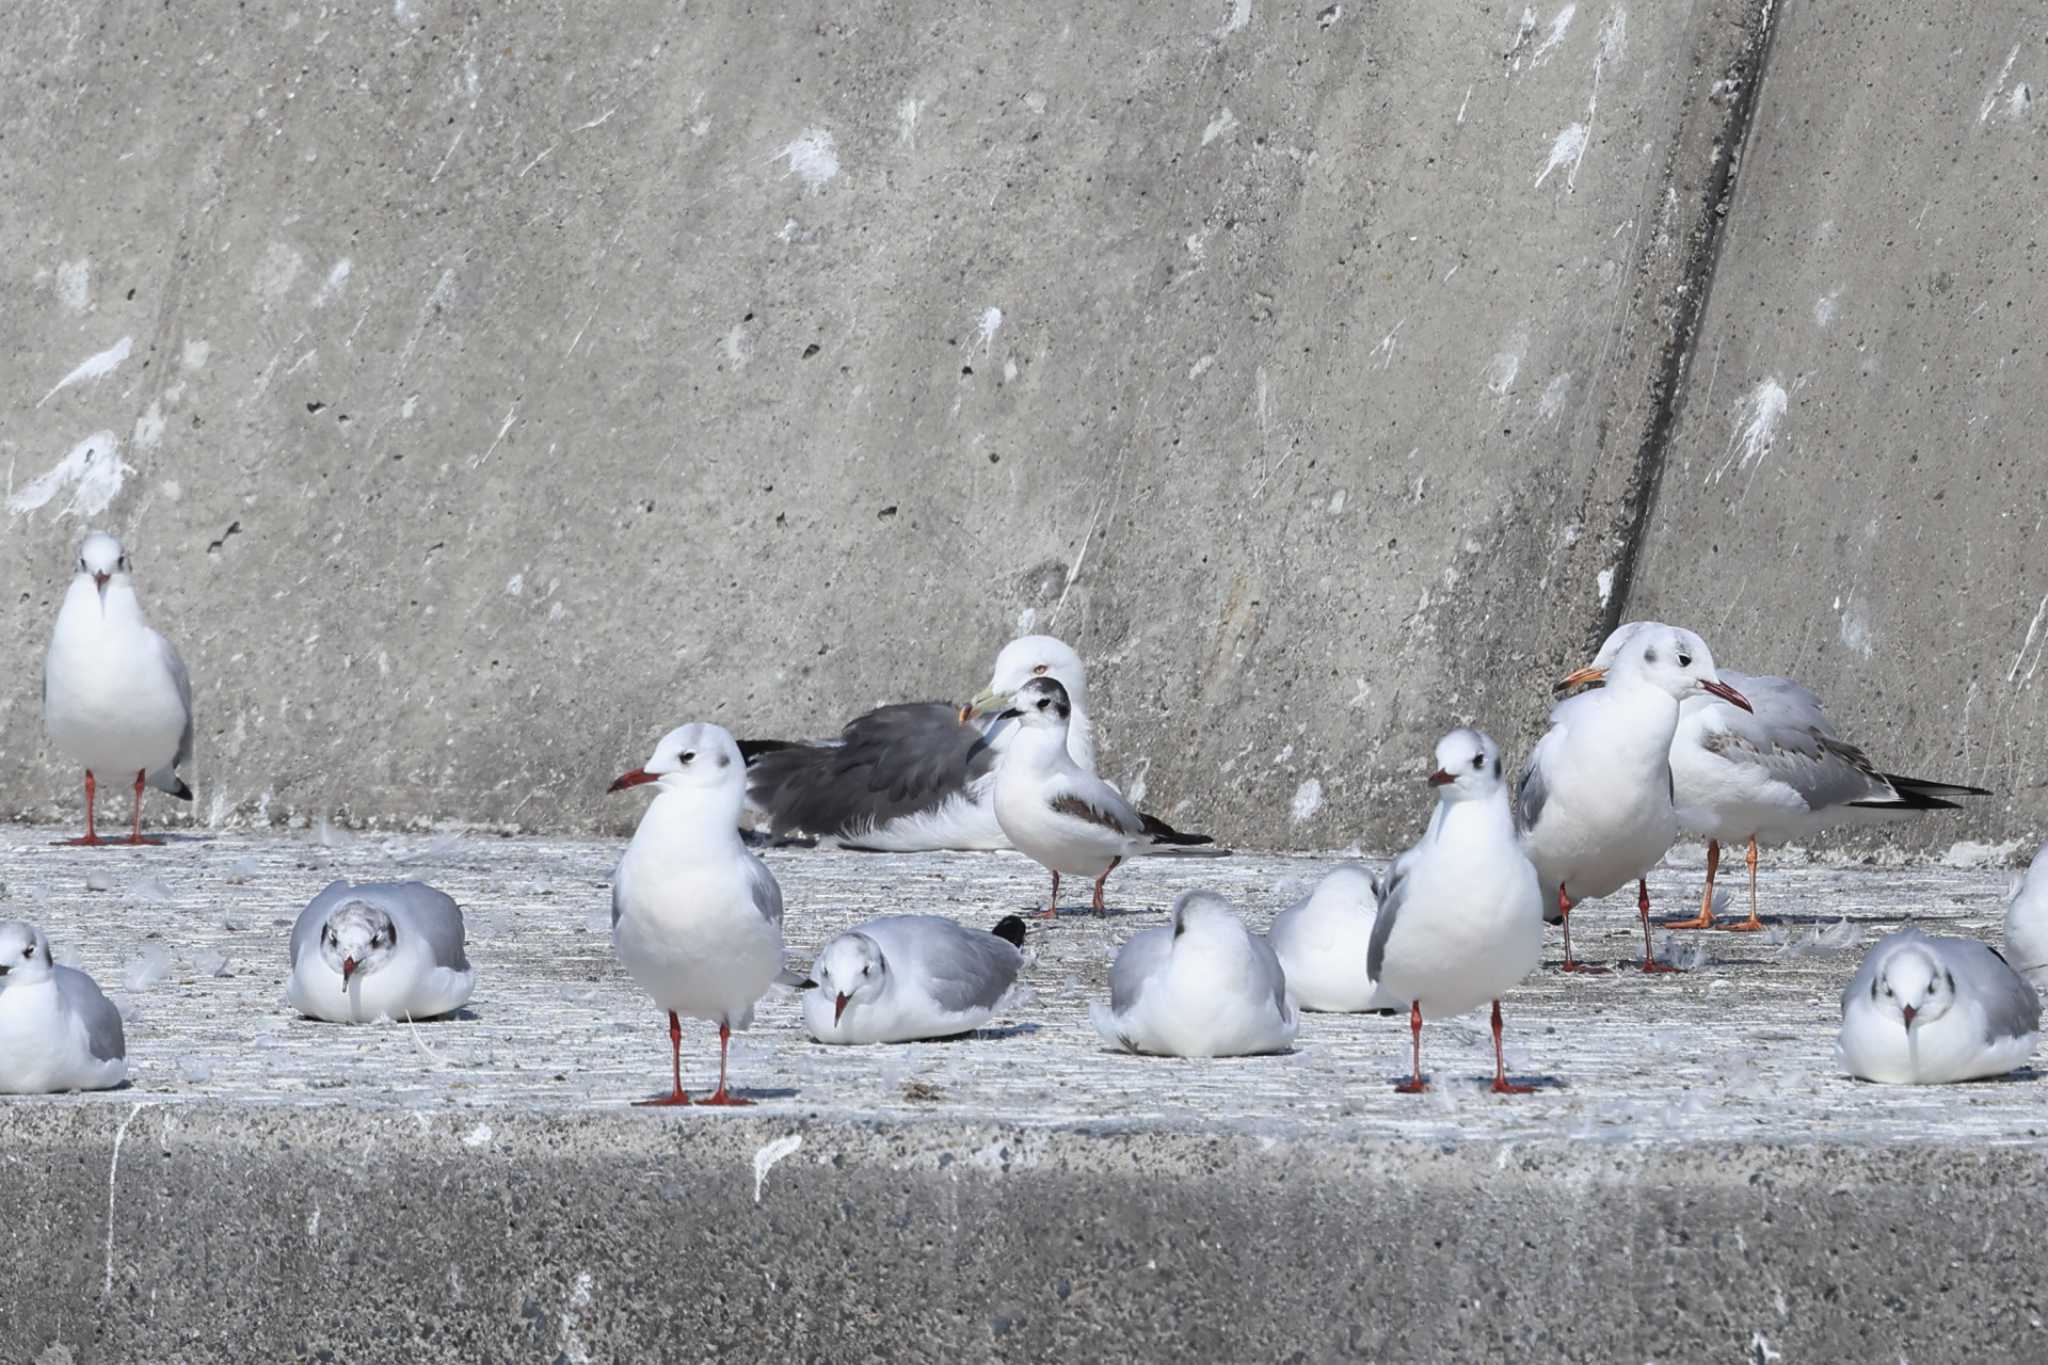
x=1581 y=677
x=1727 y=694
x=1440 y=778
x=631 y=779
x=99 y=581
x=986 y=702
x=1909 y=1012
x=838 y=1008
x=348 y=969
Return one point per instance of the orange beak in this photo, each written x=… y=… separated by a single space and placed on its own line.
x=631 y=779
x=1581 y=677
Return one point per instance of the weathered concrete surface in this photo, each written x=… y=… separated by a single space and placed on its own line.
x=1854 y=494
x=505 y=385
x=1695 y=1181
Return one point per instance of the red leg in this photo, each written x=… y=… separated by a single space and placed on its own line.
x=1650 y=962
x=135 y=831
x=1416 y=1085
x=1564 y=915
x=675 y=1044
x=90 y=839
x=1052 y=911
x=721 y=1095
x=1100 y=880
x=1501 y=1084
x=1705 y=919
x=1752 y=924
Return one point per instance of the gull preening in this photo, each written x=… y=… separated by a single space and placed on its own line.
x=1201 y=986
x=379 y=950
x=1594 y=803
x=1322 y=941
x=116 y=698
x=1461 y=915
x=696 y=917
x=904 y=977
x=57 y=1030
x=2026 y=921
x=1772 y=771
x=917 y=775
x=1058 y=812
x=1926 y=1011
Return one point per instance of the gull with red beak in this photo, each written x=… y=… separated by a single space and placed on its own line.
x=904 y=977
x=1595 y=800
x=696 y=917
x=379 y=950
x=116 y=698
x=1926 y=1011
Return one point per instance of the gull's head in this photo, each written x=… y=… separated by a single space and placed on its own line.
x=24 y=953
x=691 y=757
x=1467 y=765
x=1912 y=987
x=1201 y=913
x=1028 y=657
x=849 y=969
x=1671 y=659
x=357 y=939
x=101 y=558
x=1040 y=704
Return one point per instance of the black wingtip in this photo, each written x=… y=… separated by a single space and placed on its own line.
x=751 y=749
x=1010 y=929
x=183 y=793
x=1163 y=833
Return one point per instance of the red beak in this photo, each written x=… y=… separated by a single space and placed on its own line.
x=99 y=580
x=838 y=1008
x=1728 y=694
x=348 y=969
x=1440 y=778
x=631 y=779
x=1909 y=1013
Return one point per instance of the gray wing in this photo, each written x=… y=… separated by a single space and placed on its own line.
x=1789 y=738
x=1136 y=963
x=1271 y=976
x=1530 y=792
x=430 y=913
x=1391 y=897
x=307 y=927
x=1088 y=797
x=103 y=1033
x=767 y=892
x=892 y=762
x=167 y=780
x=2012 y=1007
x=961 y=968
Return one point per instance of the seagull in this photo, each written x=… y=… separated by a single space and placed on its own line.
x=379 y=950
x=1775 y=772
x=1595 y=800
x=1461 y=915
x=2026 y=920
x=57 y=1031
x=1926 y=1011
x=1059 y=812
x=696 y=917
x=1201 y=986
x=916 y=776
x=1321 y=941
x=116 y=698
x=904 y=977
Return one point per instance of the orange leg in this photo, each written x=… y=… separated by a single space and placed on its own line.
x=1052 y=911
x=1416 y=1085
x=721 y=1095
x=1706 y=915
x=1752 y=924
x=675 y=1043
x=91 y=839
x=1501 y=1084
x=1099 y=907
x=1564 y=915
x=135 y=830
x=1650 y=962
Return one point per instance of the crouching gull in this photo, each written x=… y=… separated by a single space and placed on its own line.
x=2026 y=920
x=116 y=699
x=1322 y=941
x=1595 y=800
x=1201 y=986
x=1059 y=812
x=915 y=776
x=57 y=1031
x=696 y=917
x=1774 y=772
x=904 y=977
x=379 y=950
x=1461 y=916
x=1926 y=1011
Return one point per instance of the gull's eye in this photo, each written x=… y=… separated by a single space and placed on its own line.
x=1685 y=661
x=29 y=952
x=868 y=969
x=1887 y=988
x=1478 y=762
x=1044 y=702
x=1930 y=988
x=122 y=563
x=1039 y=671
x=686 y=757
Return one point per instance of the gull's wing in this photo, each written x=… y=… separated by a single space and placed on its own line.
x=761 y=883
x=426 y=911
x=168 y=780
x=1392 y=895
x=892 y=762
x=1084 y=796
x=1270 y=978
x=103 y=1034
x=961 y=968
x=2012 y=1008
x=1136 y=963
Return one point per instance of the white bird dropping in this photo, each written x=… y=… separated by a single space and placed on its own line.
x=57 y=1031
x=1926 y=1011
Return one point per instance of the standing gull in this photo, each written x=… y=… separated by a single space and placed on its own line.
x=904 y=977
x=1774 y=772
x=57 y=1031
x=1926 y=1011
x=1595 y=800
x=379 y=950
x=2026 y=921
x=1461 y=918
x=696 y=917
x=116 y=699
x=917 y=775
x=1322 y=940
x=1201 y=986
x=1060 y=813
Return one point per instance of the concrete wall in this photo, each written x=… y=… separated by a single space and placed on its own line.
x=502 y=386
